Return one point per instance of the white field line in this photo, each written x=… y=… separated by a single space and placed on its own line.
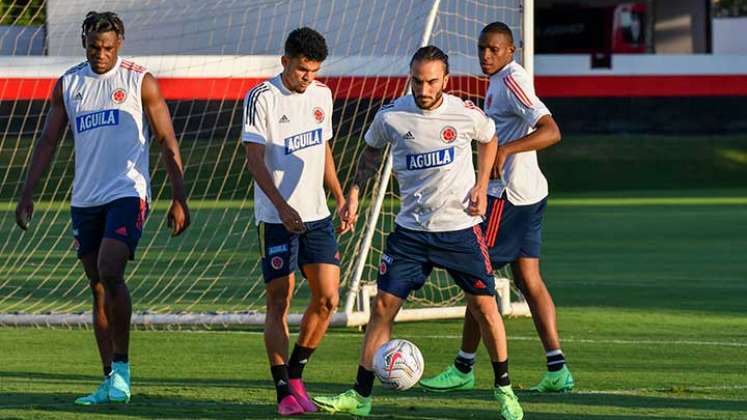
x=511 y=338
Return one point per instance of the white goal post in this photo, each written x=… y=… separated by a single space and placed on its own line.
x=211 y=276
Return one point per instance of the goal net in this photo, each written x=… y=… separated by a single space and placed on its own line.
x=206 y=55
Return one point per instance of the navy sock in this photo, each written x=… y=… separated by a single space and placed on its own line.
x=555 y=360
x=120 y=358
x=500 y=369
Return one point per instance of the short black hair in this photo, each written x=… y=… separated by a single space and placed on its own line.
x=431 y=53
x=102 y=22
x=498 y=28
x=306 y=42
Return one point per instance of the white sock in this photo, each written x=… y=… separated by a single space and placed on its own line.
x=465 y=355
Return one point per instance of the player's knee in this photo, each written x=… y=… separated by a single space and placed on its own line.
x=97 y=289
x=484 y=308
x=110 y=277
x=326 y=305
x=384 y=308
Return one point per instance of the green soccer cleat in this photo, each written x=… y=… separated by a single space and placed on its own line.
x=452 y=379
x=100 y=396
x=349 y=402
x=560 y=381
x=119 y=389
x=510 y=408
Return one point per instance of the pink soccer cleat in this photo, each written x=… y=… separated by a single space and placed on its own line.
x=299 y=391
x=289 y=407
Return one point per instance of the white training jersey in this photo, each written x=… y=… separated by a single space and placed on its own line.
x=111 y=133
x=294 y=128
x=432 y=153
x=511 y=102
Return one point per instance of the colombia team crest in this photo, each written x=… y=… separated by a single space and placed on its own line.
x=318 y=115
x=276 y=263
x=448 y=134
x=119 y=96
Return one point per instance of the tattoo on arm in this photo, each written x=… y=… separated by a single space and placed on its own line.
x=368 y=164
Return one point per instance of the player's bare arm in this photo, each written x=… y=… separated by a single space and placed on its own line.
x=54 y=127
x=255 y=163
x=160 y=123
x=546 y=134
x=333 y=183
x=368 y=165
x=478 y=195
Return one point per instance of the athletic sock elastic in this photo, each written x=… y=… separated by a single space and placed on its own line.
x=464 y=361
x=555 y=360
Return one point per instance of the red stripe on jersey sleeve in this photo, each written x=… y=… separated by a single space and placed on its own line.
x=516 y=89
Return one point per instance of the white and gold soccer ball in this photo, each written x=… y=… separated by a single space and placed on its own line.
x=398 y=364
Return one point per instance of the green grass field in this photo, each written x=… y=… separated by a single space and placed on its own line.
x=651 y=303
x=644 y=254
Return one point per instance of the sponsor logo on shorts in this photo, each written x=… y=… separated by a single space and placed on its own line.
x=303 y=140
x=277 y=249
x=122 y=231
x=90 y=121
x=384 y=264
x=479 y=284
x=276 y=263
x=430 y=159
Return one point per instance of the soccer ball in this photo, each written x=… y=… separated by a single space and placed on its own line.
x=398 y=364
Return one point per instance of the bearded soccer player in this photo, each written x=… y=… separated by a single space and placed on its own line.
x=287 y=128
x=106 y=100
x=431 y=135
x=516 y=205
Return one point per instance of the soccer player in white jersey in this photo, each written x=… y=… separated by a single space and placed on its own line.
x=287 y=128
x=517 y=199
x=431 y=135
x=105 y=102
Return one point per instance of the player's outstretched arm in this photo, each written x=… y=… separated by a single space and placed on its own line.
x=160 y=123
x=478 y=195
x=546 y=134
x=333 y=183
x=54 y=127
x=369 y=163
x=255 y=163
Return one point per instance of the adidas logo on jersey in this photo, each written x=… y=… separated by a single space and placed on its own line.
x=78 y=97
x=408 y=136
x=284 y=119
x=430 y=159
x=303 y=140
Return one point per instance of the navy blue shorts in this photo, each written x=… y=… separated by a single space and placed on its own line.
x=410 y=256
x=121 y=219
x=283 y=252
x=513 y=232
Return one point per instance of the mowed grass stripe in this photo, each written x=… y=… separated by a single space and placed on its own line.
x=564 y=202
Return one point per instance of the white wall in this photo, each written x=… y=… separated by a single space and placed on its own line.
x=730 y=35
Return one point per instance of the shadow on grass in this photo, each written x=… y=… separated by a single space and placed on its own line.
x=159 y=398
x=672 y=400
